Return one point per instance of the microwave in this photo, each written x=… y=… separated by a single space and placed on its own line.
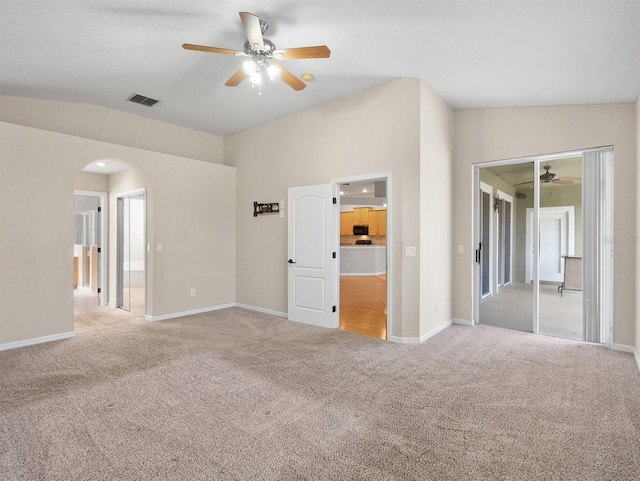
x=360 y=230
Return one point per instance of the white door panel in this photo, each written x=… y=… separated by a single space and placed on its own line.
x=312 y=268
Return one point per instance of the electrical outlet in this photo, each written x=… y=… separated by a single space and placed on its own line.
x=159 y=247
x=193 y=292
x=411 y=251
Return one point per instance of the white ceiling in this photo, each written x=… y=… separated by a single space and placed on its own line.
x=473 y=53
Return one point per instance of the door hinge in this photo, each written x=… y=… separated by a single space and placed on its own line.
x=335 y=255
x=99 y=250
x=334 y=309
x=99 y=290
x=335 y=201
x=99 y=209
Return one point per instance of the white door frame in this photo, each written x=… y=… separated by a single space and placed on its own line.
x=119 y=195
x=506 y=197
x=490 y=247
x=104 y=240
x=386 y=176
x=566 y=214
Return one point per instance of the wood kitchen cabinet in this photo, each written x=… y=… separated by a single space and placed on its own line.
x=361 y=215
x=378 y=222
x=346 y=223
x=373 y=222
x=382 y=222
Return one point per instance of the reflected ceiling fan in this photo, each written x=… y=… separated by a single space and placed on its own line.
x=261 y=51
x=551 y=178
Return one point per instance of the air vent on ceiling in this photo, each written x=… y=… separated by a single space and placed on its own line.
x=141 y=99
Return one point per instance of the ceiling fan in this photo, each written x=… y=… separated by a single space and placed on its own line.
x=551 y=178
x=261 y=51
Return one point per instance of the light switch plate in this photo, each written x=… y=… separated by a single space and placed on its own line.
x=411 y=251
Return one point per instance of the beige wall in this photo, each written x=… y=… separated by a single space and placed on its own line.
x=108 y=125
x=92 y=182
x=190 y=209
x=436 y=246
x=483 y=135
x=367 y=133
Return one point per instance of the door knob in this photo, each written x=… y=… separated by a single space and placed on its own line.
x=290 y=261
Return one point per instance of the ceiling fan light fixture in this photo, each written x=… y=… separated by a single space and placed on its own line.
x=256 y=78
x=250 y=67
x=273 y=71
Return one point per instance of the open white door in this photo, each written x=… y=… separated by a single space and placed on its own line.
x=313 y=289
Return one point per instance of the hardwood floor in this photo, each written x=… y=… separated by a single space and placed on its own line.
x=363 y=305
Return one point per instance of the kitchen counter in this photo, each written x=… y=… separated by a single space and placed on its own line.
x=363 y=260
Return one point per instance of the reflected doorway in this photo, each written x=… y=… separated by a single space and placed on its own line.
x=525 y=290
x=131 y=252
x=89 y=233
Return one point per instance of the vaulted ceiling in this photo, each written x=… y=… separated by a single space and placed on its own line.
x=480 y=53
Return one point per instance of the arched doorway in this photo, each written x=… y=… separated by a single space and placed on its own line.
x=98 y=232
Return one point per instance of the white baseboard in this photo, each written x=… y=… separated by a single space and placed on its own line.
x=421 y=339
x=362 y=274
x=260 y=309
x=623 y=348
x=202 y=310
x=36 y=340
x=462 y=322
x=629 y=349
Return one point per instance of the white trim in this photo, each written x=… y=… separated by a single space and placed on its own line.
x=623 y=348
x=147 y=246
x=462 y=322
x=37 y=340
x=386 y=176
x=629 y=349
x=202 y=310
x=104 y=240
x=487 y=244
x=421 y=339
x=499 y=250
x=260 y=309
x=363 y=274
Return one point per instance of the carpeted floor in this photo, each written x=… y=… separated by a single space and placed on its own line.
x=235 y=394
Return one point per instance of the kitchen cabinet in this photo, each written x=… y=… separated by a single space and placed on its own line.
x=361 y=215
x=346 y=223
x=377 y=222
x=382 y=222
x=373 y=222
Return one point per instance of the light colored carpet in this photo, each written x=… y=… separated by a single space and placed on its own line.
x=235 y=394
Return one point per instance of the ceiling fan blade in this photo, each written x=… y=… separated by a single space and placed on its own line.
x=291 y=80
x=203 y=48
x=251 y=25
x=319 y=51
x=236 y=78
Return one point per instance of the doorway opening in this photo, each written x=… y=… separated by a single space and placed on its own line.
x=131 y=252
x=364 y=246
x=90 y=241
x=542 y=261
